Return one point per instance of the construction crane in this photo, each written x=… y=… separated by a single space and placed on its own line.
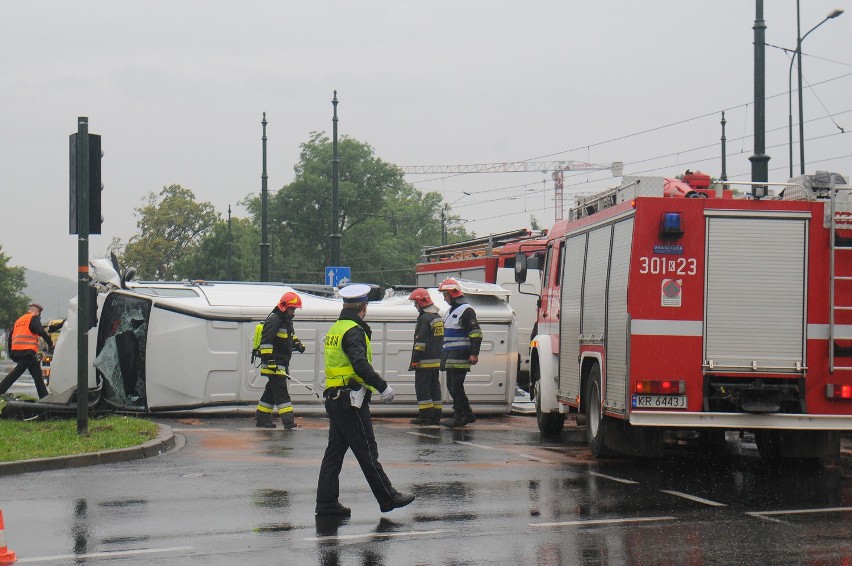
x=556 y=167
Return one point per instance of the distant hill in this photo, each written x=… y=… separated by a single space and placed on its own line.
x=51 y=292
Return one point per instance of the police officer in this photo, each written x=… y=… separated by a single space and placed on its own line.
x=350 y=381
x=462 y=339
x=277 y=342
x=426 y=359
x=23 y=349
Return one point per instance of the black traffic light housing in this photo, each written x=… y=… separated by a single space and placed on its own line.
x=95 y=185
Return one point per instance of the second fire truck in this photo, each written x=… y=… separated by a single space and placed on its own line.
x=667 y=306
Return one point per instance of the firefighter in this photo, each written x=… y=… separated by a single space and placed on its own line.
x=277 y=342
x=426 y=358
x=350 y=381
x=23 y=349
x=462 y=339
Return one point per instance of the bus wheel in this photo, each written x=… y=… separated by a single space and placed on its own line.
x=549 y=424
x=596 y=424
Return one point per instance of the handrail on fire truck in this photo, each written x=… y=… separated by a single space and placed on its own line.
x=478 y=246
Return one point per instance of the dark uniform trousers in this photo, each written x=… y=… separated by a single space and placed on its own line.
x=455 y=385
x=351 y=427
x=26 y=361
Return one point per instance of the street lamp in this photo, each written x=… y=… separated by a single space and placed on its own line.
x=798 y=55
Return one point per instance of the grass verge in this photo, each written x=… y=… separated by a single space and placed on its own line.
x=23 y=440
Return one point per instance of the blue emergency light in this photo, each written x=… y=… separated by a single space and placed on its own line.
x=671 y=226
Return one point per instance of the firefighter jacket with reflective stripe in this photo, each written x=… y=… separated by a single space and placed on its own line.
x=428 y=339
x=462 y=336
x=26 y=331
x=349 y=354
x=277 y=341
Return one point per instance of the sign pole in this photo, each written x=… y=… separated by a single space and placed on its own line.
x=82 y=162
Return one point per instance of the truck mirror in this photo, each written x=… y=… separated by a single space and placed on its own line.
x=520 y=268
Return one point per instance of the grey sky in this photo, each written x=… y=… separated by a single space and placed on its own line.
x=177 y=90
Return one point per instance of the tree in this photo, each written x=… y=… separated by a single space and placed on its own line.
x=209 y=260
x=384 y=221
x=171 y=227
x=13 y=302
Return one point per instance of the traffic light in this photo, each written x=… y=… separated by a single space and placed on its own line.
x=95 y=186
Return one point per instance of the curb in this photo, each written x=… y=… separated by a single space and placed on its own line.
x=164 y=442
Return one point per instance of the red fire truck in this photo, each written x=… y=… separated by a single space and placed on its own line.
x=665 y=313
x=491 y=259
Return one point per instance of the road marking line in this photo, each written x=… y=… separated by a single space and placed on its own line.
x=613 y=478
x=423 y=434
x=585 y=522
x=764 y=514
x=105 y=554
x=464 y=442
x=377 y=535
x=694 y=498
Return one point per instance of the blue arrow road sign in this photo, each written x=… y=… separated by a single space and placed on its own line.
x=337 y=276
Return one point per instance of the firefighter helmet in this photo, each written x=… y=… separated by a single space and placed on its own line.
x=420 y=297
x=289 y=300
x=451 y=286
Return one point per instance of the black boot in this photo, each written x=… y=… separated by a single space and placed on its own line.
x=398 y=500
x=452 y=422
x=436 y=416
x=289 y=421
x=467 y=417
x=263 y=420
x=423 y=418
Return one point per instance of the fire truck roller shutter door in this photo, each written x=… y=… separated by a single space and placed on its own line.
x=572 y=287
x=754 y=265
x=616 y=392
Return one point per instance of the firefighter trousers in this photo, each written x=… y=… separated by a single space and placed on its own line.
x=427 y=386
x=275 y=393
x=26 y=361
x=455 y=385
x=351 y=427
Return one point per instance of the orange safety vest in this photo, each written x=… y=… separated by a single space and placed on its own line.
x=22 y=337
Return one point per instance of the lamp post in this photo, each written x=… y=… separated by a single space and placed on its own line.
x=798 y=56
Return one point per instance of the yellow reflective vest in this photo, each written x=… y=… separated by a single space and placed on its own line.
x=338 y=369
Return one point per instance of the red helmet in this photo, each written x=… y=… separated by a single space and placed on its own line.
x=289 y=300
x=421 y=297
x=451 y=286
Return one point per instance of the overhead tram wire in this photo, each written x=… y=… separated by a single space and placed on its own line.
x=651 y=159
x=645 y=131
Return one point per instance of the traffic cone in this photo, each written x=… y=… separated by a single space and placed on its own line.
x=6 y=555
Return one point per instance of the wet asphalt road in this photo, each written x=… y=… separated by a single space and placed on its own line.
x=495 y=493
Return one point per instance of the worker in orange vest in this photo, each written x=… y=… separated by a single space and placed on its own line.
x=23 y=349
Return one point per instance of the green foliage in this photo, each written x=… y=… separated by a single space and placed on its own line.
x=384 y=221
x=209 y=260
x=22 y=440
x=171 y=225
x=13 y=302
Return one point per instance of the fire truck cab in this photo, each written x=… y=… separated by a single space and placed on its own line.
x=669 y=307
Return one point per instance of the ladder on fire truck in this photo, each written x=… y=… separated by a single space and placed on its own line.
x=477 y=247
x=841 y=219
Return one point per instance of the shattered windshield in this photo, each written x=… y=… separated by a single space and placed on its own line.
x=120 y=360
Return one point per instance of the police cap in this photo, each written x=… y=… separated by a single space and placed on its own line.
x=355 y=293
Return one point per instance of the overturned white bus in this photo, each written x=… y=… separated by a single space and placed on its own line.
x=162 y=346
